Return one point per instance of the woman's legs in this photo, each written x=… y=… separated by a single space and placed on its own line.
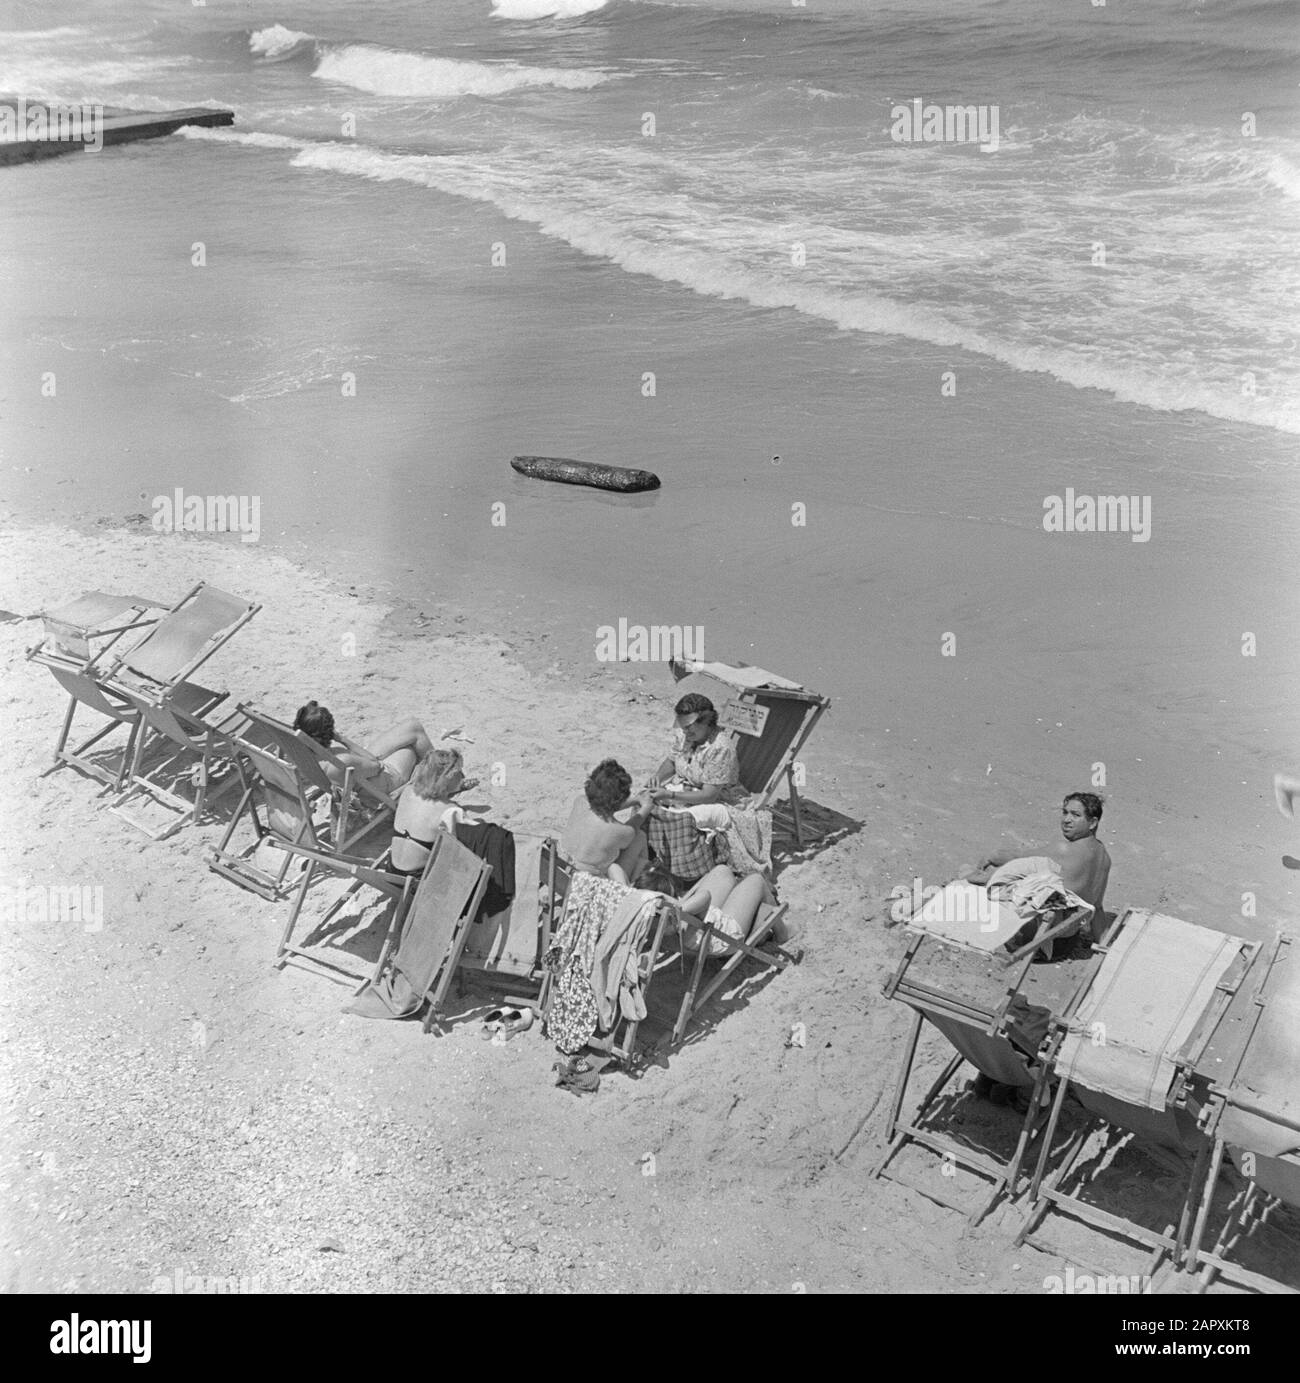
x=709 y=891
x=401 y=748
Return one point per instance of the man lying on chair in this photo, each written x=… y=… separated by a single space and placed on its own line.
x=1081 y=859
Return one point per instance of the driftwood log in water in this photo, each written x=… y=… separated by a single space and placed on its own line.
x=566 y=472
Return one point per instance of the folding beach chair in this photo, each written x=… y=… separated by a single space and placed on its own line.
x=620 y=1038
x=508 y=946
x=706 y=943
x=202 y=622
x=1126 y=1047
x=1253 y=1115
x=969 y=971
x=77 y=636
x=289 y=797
x=152 y=676
x=387 y=887
x=429 y=925
x=769 y=719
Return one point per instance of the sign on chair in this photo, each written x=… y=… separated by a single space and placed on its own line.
x=744 y=716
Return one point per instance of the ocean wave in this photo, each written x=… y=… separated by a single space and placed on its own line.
x=254 y=139
x=696 y=263
x=277 y=41
x=545 y=9
x=1284 y=176
x=384 y=72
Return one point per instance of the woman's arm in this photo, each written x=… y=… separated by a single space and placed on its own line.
x=691 y=797
x=665 y=771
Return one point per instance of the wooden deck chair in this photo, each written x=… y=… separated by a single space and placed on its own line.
x=358 y=803
x=435 y=923
x=288 y=797
x=1127 y=1045
x=620 y=1040
x=968 y=971
x=201 y=623
x=77 y=635
x=199 y=752
x=508 y=947
x=769 y=719
x=395 y=889
x=152 y=676
x=1252 y=1115
x=708 y=944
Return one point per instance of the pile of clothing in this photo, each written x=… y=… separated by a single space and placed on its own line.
x=594 y=959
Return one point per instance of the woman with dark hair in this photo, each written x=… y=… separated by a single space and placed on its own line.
x=702 y=771
x=387 y=766
x=594 y=841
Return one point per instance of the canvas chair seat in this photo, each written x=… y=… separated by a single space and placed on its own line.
x=1126 y=1048
x=990 y=1008
x=1252 y=1115
x=76 y=636
x=430 y=918
x=153 y=677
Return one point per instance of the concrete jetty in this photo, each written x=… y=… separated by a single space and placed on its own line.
x=36 y=129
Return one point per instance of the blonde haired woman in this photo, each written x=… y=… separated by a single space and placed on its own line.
x=426 y=806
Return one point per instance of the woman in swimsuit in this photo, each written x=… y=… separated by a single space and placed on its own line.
x=387 y=767
x=593 y=841
x=425 y=807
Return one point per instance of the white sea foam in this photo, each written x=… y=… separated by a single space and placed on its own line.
x=256 y=139
x=682 y=241
x=276 y=41
x=545 y=9
x=383 y=72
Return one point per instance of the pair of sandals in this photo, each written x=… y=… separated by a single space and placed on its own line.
x=503 y=1023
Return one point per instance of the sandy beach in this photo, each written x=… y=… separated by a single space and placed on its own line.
x=887 y=385
x=176 y=1104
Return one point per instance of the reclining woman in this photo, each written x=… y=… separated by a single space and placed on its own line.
x=425 y=807
x=387 y=766
x=594 y=842
x=732 y=905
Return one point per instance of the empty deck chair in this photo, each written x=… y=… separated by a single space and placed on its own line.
x=508 y=947
x=289 y=797
x=1127 y=1045
x=618 y=1037
x=968 y=971
x=1253 y=1115
x=77 y=636
x=152 y=676
x=770 y=719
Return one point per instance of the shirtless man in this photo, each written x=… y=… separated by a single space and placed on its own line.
x=1084 y=860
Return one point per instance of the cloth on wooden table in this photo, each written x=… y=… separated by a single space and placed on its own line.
x=1150 y=992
